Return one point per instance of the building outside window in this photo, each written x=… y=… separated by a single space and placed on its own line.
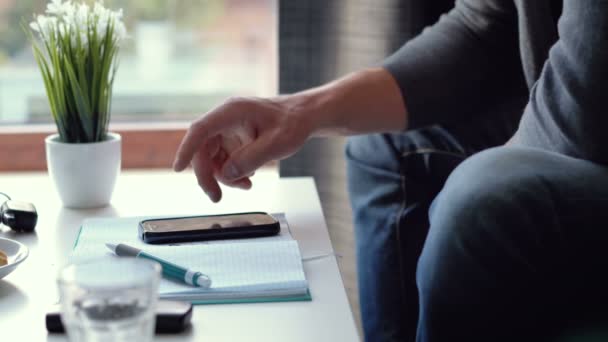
x=182 y=58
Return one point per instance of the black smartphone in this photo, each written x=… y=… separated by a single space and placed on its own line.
x=211 y=227
x=171 y=317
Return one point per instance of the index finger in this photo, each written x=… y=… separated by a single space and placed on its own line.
x=217 y=120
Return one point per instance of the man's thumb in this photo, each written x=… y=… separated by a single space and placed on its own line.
x=249 y=158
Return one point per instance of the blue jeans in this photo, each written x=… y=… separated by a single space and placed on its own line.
x=514 y=248
x=392 y=179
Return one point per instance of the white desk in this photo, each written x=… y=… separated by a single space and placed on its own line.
x=27 y=292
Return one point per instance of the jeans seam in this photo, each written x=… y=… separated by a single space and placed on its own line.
x=399 y=249
x=431 y=150
x=402 y=175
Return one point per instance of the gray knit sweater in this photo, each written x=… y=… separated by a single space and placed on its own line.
x=483 y=50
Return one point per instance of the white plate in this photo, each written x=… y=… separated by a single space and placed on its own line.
x=16 y=253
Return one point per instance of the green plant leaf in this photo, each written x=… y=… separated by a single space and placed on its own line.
x=78 y=77
x=82 y=105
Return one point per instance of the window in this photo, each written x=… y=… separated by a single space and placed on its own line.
x=183 y=57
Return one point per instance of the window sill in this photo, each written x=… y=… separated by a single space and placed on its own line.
x=144 y=146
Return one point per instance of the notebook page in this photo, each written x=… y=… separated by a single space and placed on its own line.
x=239 y=267
x=257 y=265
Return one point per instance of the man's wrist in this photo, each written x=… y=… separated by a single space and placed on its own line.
x=310 y=109
x=364 y=102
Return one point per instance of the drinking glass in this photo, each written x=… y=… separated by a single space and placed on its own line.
x=109 y=300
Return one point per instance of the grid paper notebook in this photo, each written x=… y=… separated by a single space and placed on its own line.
x=264 y=269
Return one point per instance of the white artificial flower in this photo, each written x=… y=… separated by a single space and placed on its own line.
x=99 y=9
x=81 y=18
x=45 y=26
x=120 y=32
x=58 y=7
x=64 y=17
x=69 y=15
x=54 y=7
x=61 y=29
x=34 y=26
x=102 y=18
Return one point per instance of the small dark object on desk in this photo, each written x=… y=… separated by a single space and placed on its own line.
x=208 y=227
x=171 y=317
x=19 y=216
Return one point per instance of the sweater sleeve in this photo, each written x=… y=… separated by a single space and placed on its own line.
x=465 y=61
x=567 y=112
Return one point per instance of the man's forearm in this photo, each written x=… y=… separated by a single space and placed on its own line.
x=368 y=101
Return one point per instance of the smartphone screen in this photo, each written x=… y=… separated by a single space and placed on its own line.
x=207 y=222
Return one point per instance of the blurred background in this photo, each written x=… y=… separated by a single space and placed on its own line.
x=182 y=58
x=186 y=56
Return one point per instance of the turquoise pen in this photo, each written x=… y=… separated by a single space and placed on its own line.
x=170 y=270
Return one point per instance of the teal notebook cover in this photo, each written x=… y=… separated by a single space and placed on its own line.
x=242 y=271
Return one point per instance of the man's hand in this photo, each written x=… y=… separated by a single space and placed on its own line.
x=231 y=141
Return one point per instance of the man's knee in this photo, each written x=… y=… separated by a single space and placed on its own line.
x=492 y=225
x=487 y=206
x=488 y=184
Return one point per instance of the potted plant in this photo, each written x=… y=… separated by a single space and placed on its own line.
x=76 y=48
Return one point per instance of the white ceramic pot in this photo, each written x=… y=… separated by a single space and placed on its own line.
x=84 y=174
